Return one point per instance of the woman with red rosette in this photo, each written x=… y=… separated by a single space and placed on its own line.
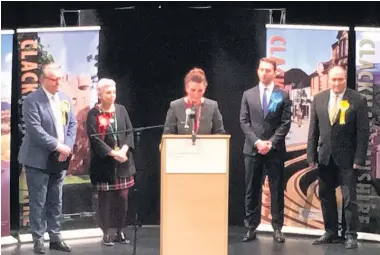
x=208 y=119
x=112 y=166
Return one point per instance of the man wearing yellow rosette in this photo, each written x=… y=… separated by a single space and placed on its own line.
x=45 y=152
x=338 y=141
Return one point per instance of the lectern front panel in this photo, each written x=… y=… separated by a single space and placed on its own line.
x=195 y=215
x=194 y=204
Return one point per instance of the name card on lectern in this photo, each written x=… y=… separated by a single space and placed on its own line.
x=206 y=156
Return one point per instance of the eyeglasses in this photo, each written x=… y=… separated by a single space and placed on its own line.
x=54 y=80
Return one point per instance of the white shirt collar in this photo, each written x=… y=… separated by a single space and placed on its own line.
x=340 y=95
x=48 y=94
x=270 y=87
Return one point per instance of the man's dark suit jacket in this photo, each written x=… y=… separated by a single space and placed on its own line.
x=346 y=143
x=274 y=126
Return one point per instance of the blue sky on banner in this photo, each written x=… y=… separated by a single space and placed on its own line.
x=6 y=67
x=305 y=48
x=71 y=49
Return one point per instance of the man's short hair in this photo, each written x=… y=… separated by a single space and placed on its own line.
x=104 y=82
x=270 y=61
x=44 y=67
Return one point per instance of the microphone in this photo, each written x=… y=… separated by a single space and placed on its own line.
x=193 y=117
x=193 y=112
x=188 y=112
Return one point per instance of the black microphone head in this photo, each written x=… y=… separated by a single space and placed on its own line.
x=193 y=112
x=192 y=115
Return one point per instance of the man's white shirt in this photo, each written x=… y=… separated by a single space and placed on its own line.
x=56 y=108
x=269 y=91
x=333 y=97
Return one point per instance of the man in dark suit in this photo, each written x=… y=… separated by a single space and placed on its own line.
x=51 y=128
x=265 y=119
x=339 y=126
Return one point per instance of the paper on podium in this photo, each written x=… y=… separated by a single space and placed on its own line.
x=206 y=156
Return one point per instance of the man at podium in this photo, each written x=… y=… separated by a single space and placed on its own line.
x=265 y=119
x=194 y=113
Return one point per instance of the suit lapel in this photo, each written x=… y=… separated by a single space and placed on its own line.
x=275 y=89
x=325 y=105
x=61 y=98
x=46 y=102
x=257 y=100
x=117 y=117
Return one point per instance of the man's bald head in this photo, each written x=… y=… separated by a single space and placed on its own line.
x=338 y=69
x=338 y=79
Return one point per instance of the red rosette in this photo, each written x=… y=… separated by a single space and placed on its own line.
x=103 y=122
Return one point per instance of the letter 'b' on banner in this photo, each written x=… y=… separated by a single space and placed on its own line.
x=75 y=51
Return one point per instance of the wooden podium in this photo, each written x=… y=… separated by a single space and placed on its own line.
x=194 y=195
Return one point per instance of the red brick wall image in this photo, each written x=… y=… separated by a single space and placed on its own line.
x=78 y=87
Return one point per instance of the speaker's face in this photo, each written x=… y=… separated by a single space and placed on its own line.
x=195 y=91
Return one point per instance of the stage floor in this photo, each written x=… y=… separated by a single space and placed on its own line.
x=148 y=243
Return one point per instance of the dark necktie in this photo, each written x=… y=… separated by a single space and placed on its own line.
x=265 y=102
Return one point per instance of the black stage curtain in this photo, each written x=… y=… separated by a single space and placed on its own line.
x=148 y=54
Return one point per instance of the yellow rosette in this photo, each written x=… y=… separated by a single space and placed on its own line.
x=344 y=105
x=65 y=108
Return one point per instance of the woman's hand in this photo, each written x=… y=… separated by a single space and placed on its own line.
x=125 y=148
x=121 y=159
x=119 y=155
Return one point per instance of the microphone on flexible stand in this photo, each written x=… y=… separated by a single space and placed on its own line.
x=188 y=112
x=192 y=117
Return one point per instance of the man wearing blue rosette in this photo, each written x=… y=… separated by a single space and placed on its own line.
x=265 y=119
x=337 y=144
x=45 y=152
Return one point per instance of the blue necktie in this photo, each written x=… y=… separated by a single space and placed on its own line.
x=265 y=102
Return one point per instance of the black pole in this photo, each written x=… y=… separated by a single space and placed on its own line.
x=136 y=192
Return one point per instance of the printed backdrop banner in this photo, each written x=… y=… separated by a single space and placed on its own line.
x=76 y=51
x=304 y=55
x=6 y=91
x=367 y=65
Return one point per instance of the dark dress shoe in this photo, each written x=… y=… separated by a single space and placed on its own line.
x=278 y=236
x=60 y=246
x=39 y=247
x=351 y=243
x=327 y=238
x=250 y=236
x=120 y=238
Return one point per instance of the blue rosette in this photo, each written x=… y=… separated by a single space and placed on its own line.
x=276 y=98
